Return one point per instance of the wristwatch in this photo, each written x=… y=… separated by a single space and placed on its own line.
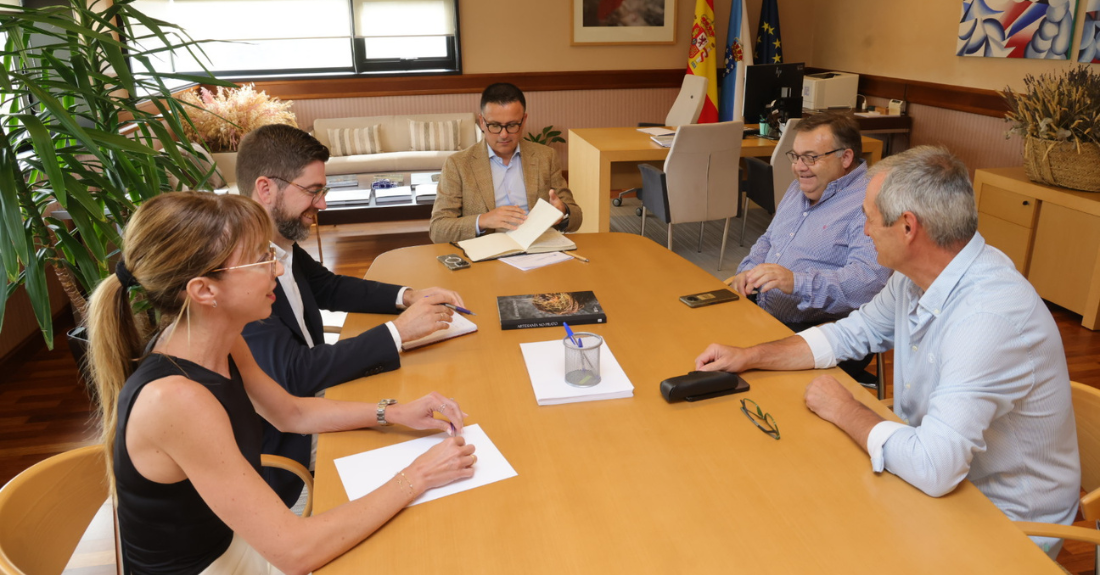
x=382 y=411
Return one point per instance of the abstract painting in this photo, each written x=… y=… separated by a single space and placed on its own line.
x=1090 y=34
x=1016 y=28
x=624 y=21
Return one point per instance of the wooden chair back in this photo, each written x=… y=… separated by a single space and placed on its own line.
x=1086 y=410
x=45 y=510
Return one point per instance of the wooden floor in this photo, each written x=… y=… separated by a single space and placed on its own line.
x=45 y=410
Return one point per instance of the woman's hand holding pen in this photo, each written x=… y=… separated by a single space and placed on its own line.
x=445 y=462
x=420 y=414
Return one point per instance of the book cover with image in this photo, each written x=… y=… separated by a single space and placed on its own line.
x=549 y=309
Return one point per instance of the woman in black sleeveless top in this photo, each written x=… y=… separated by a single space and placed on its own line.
x=182 y=427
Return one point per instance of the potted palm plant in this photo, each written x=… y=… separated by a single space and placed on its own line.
x=88 y=129
x=1058 y=114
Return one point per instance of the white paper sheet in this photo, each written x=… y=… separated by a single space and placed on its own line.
x=533 y=261
x=364 y=472
x=546 y=367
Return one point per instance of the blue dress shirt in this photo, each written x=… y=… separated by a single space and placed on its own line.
x=508 y=186
x=835 y=265
x=980 y=380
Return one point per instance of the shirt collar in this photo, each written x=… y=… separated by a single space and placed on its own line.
x=843 y=182
x=935 y=299
x=493 y=154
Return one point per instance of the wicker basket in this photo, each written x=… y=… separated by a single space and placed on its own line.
x=1066 y=164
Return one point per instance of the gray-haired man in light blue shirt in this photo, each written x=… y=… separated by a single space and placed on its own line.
x=980 y=376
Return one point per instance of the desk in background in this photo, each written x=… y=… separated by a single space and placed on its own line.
x=596 y=153
x=637 y=485
x=1052 y=235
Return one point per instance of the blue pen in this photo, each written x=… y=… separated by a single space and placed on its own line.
x=459 y=309
x=569 y=332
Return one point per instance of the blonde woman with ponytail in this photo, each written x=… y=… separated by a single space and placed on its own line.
x=181 y=419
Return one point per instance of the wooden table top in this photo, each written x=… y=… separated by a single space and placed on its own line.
x=638 y=485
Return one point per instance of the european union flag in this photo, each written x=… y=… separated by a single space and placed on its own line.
x=769 y=49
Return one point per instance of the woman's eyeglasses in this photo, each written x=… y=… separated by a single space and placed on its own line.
x=269 y=259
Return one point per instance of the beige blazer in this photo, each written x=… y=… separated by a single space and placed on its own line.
x=466 y=189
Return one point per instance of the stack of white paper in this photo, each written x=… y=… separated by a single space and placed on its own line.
x=459 y=326
x=364 y=472
x=395 y=195
x=657 y=131
x=546 y=367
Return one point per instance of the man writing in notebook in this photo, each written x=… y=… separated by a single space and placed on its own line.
x=283 y=168
x=813 y=264
x=980 y=378
x=492 y=185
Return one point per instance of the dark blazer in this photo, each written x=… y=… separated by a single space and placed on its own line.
x=281 y=351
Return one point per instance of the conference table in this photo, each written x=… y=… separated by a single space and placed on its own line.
x=600 y=156
x=638 y=485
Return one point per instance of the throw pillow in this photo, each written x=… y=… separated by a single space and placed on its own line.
x=354 y=141
x=434 y=136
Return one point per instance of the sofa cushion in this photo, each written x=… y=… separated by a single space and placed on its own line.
x=354 y=141
x=434 y=136
x=388 y=162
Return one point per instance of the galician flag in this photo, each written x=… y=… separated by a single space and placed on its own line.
x=701 y=57
x=738 y=56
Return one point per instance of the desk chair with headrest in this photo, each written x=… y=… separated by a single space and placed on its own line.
x=765 y=183
x=45 y=510
x=1086 y=412
x=699 y=182
x=685 y=110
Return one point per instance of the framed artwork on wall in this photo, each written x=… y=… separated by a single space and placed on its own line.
x=1090 y=34
x=1016 y=28
x=598 y=22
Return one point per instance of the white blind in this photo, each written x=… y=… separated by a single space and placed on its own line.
x=404 y=18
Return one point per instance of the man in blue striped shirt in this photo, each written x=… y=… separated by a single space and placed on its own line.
x=814 y=264
x=980 y=378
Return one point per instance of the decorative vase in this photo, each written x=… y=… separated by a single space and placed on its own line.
x=227 y=166
x=1074 y=165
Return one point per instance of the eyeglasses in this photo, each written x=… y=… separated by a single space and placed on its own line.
x=268 y=259
x=316 y=194
x=764 y=421
x=810 y=159
x=495 y=128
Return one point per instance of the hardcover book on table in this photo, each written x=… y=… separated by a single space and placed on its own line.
x=549 y=309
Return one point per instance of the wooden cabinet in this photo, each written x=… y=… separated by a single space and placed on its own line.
x=1052 y=235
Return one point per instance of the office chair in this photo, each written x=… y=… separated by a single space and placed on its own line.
x=1086 y=413
x=699 y=182
x=765 y=183
x=685 y=110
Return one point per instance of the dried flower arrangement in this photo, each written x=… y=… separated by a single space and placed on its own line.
x=1062 y=105
x=1059 y=116
x=223 y=117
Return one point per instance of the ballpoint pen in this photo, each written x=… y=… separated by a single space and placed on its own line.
x=575 y=256
x=459 y=309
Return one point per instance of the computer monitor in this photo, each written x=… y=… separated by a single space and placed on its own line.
x=773 y=86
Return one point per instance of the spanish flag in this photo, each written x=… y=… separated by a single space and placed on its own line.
x=702 y=57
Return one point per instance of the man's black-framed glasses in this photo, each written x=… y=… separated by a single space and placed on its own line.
x=316 y=193
x=810 y=159
x=764 y=421
x=510 y=127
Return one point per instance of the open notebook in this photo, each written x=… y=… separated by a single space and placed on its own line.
x=459 y=326
x=534 y=236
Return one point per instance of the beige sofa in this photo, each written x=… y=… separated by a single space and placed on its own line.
x=395 y=141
